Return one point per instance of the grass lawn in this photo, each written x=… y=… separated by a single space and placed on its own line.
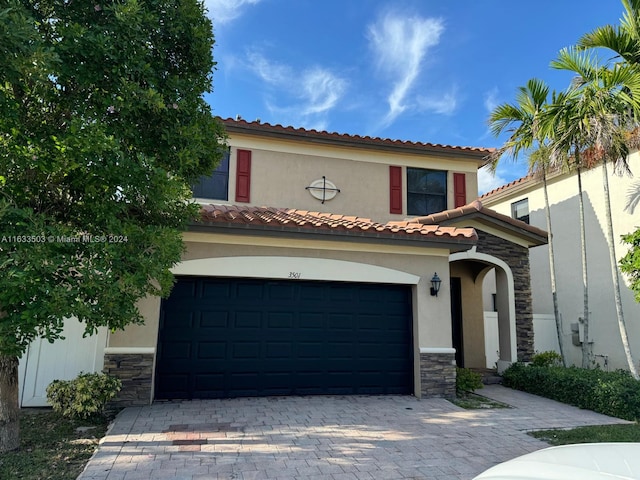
x=51 y=447
x=473 y=401
x=598 y=434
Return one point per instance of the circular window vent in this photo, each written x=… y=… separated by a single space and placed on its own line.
x=323 y=189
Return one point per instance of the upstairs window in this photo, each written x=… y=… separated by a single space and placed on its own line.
x=520 y=210
x=216 y=185
x=426 y=191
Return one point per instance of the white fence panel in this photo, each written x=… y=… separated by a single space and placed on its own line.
x=545 y=336
x=45 y=362
x=491 y=343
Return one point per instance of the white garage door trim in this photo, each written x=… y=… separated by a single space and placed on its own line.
x=294 y=268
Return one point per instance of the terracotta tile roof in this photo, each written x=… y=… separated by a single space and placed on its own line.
x=315 y=135
x=283 y=219
x=511 y=185
x=476 y=210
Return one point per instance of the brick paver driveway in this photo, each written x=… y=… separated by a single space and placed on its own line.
x=335 y=438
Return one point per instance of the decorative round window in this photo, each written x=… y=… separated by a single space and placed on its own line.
x=323 y=189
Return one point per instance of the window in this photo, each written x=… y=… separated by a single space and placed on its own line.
x=216 y=185
x=520 y=210
x=426 y=191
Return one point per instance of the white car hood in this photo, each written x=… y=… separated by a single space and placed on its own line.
x=587 y=461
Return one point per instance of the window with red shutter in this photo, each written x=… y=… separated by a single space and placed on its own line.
x=459 y=189
x=243 y=176
x=395 y=189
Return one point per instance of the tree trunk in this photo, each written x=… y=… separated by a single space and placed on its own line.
x=9 y=407
x=614 y=274
x=552 y=270
x=586 y=346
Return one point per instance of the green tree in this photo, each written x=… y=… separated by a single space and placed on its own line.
x=623 y=39
x=529 y=134
x=565 y=154
x=102 y=129
x=601 y=104
x=630 y=263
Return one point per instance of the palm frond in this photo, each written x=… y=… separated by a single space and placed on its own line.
x=582 y=63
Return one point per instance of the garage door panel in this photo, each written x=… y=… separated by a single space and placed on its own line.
x=253 y=338
x=247 y=319
x=251 y=291
x=245 y=350
x=185 y=289
x=213 y=319
x=282 y=350
x=178 y=319
x=280 y=320
x=214 y=290
x=211 y=350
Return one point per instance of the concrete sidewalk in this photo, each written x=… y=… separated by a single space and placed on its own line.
x=334 y=438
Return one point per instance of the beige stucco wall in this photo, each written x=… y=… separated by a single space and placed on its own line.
x=140 y=335
x=472 y=316
x=281 y=170
x=563 y=200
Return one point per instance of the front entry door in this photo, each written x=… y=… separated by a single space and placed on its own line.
x=456 y=319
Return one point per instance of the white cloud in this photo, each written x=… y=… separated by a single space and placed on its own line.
x=491 y=99
x=321 y=90
x=225 y=11
x=443 y=104
x=400 y=44
x=487 y=181
x=315 y=91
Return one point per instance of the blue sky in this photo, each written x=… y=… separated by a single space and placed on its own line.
x=418 y=70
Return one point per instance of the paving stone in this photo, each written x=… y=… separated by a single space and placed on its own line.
x=318 y=438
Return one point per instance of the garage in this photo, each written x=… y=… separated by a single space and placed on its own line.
x=231 y=337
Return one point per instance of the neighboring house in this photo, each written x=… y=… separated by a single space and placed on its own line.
x=311 y=273
x=524 y=199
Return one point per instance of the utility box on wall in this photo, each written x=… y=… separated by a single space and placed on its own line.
x=577 y=333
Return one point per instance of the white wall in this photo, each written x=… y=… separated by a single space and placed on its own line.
x=566 y=236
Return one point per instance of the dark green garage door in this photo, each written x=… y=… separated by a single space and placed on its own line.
x=232 y=338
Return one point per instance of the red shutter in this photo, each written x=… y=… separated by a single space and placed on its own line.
x=459 y=189
x=395 y=189
x=243 y=176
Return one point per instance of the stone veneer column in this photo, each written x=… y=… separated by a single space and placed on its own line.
x=134 y=367
x=517 y=257
x=437 y=372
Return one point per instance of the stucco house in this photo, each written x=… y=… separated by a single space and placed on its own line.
x=312 y=269
x=524 y=199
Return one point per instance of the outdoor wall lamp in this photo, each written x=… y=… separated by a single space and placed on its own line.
x=435 y=285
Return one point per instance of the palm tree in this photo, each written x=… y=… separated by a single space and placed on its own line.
x=623 y=39
x=524 y=120
x=595 y=119
x=566 y=153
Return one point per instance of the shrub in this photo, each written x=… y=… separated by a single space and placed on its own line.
x=84 y=396
x=467 y=381
x=611 y=393
x=547 y=359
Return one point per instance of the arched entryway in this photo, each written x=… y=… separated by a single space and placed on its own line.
x=467 y=271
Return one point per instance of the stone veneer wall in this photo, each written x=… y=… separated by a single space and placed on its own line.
x=135 y=370
x=517 y=258
x=438 y=375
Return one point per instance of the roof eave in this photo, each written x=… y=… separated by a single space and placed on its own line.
x=453 y=244
x=532 y=238
x=481 y=157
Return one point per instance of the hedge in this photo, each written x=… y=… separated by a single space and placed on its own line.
x=612 y=393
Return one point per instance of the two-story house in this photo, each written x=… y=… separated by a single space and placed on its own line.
x=524 y=199
x=327 y=263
